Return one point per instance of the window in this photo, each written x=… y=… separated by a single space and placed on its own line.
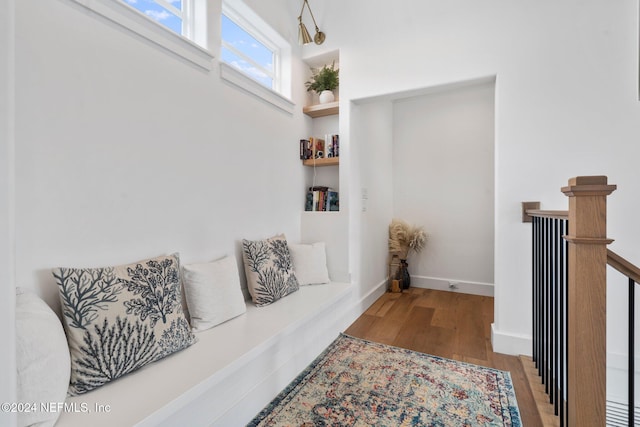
x=254 y=56
x=170 y=13
x=243 y=51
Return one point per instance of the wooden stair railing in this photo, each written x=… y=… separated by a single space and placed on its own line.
x=586 y=295
x=633 y=275
x=623 y=266
x=551 y=416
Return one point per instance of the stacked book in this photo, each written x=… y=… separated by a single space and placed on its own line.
x=322 y=199
x=318 y=148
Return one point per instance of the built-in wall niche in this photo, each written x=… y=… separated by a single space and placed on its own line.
x=330 y=227
x=443 y=168
x=425 y=156
x=322 y=169
x=316 y=62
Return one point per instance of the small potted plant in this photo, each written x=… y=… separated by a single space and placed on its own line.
x=324 y=81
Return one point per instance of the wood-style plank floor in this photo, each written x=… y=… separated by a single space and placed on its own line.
x=446 y=324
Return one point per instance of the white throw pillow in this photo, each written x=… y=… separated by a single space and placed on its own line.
x=213 y=292
x=43 y=362
x=310 y=263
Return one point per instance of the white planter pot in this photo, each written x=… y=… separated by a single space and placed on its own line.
x=326 y=96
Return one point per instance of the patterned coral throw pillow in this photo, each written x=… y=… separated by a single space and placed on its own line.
x=118 y=319
x=267 y=264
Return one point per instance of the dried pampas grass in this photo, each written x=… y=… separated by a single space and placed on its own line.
x=404 y=238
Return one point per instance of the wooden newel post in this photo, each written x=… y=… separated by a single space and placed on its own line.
x=587 y=351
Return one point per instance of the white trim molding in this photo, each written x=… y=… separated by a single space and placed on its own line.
x=137 y=23
x=247 y=84
x=510 y=343
x=372 y=296
x=452 y=285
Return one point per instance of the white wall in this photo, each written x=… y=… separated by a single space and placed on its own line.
x=7 y=291
x=566 y=105
x=125 y=152
x=443 y=180
x=371 y=208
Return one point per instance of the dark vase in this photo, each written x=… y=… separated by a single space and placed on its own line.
x=403 y=274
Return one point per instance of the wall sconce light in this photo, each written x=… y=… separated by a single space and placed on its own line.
x=303 y=34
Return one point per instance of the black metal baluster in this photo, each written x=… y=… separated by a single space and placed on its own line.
x=541 y=297
x=540 y=294
x=554 y=376
x=562 y=321
x=543 y=360
x=566 y=324
x=547 y=316
x=534 y=286
x=552 y=274
x=632 y=372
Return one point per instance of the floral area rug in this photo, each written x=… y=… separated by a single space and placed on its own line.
x=360 y=383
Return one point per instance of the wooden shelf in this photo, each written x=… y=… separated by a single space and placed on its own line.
x=331 y=161
x=321 y=110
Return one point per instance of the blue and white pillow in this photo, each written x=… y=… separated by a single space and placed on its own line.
x=118 y=319
x=269 y=270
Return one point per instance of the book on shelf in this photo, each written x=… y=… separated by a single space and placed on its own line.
x=307 y=148
x=318 y=148
x=332 y=145
x=333 y=201
x=304 y=146
x=322 y=199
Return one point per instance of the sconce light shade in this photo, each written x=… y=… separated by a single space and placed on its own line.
x=303 y=34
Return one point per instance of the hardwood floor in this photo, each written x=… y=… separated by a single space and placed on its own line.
x=446 y=324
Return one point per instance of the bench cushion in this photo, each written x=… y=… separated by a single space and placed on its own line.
x=202 y=383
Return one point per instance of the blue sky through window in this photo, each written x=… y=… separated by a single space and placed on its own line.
x=249 y=47
x=159 y=13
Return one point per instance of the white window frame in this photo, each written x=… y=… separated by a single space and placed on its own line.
x=248 y=20
x=146 y=27
x=185 y=15
x=273 y=74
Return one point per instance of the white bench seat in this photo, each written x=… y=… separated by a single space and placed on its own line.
x=230 y=374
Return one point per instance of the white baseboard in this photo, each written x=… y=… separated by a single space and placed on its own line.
x=361 y=305
x=464 y=287
x=510 y=343
x=367 y=301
